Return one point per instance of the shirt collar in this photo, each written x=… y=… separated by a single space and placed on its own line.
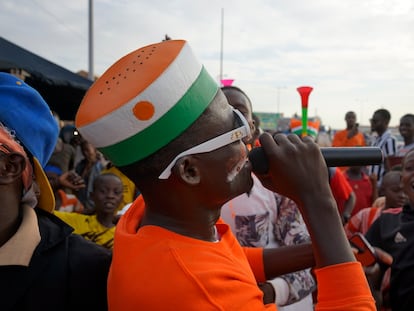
x=21 y=246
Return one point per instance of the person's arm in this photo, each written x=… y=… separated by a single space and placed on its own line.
x=292 y=287
x=389 y=149
x=348 y=207
x=336 y=264
x=269 y=263
x=289 y=175
x=342 y=192
x=354 y=224
x=353 y=131
x=375 y=192
x=287 y=259
x=71 y=180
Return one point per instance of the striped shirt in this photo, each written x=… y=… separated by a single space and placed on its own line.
x=388 y=144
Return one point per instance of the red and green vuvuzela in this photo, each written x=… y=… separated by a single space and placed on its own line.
x=304 y=92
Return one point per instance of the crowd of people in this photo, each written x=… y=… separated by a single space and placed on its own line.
x=199 y=228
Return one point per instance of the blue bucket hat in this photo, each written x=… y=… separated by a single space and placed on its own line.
x=24 y=111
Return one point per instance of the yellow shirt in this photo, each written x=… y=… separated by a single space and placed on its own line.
x=89 y=227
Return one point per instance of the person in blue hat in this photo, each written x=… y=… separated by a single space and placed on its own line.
x=43 y=266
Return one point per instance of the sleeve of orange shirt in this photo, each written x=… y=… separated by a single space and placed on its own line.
x=340 y=287
x=343 y=287
x=255 y=257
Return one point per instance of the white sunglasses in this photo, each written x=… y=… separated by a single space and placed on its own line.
x=214 y=143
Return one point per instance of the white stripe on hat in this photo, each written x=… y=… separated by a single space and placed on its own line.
x=164 y=93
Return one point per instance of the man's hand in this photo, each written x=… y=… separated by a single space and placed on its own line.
x=72 y=180
x=291 y=161
x=353 y=131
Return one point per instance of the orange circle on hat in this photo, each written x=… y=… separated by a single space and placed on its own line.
x=143 y=110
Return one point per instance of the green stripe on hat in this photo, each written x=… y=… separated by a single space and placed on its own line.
x=168 y=127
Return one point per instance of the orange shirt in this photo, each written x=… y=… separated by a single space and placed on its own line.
x=69 y=202
x=334 y=281
x=157 y=269
x=340 y=139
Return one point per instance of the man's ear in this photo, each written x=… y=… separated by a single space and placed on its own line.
x=12 y=166
x=252 y=126
x=187 y=169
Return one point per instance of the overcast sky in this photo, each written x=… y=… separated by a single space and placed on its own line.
x=357 y=55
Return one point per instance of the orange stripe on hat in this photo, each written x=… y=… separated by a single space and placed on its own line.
x=121 y=83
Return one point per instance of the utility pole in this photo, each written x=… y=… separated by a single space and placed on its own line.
x=221 y=45
x=90 y=41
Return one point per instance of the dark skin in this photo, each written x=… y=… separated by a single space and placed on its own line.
x=11 y=167
x=90 y=154
x=192 y=178
x=201 y=179
x=288 y=169
x=351 y=125
x=240 y=102
x=107 y=194
x=406 y=128
x=301 y=256
x=348 y=207
x=378 y=123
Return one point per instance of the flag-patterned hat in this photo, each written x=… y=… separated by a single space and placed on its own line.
x=144 y=101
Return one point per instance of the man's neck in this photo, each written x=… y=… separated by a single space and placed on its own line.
x=202 y=228
x=9 y=223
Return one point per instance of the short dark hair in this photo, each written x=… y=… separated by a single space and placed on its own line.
x=237 y=89
x=384 y=113
x=409 y=116
x=101 y=177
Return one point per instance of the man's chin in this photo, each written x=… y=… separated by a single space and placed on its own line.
x=250 y=185
x=247 y=183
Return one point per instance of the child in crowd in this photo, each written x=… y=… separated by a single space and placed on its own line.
x=394 y=201
x=107 y=193
x=130 y=191
x=387 y=231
